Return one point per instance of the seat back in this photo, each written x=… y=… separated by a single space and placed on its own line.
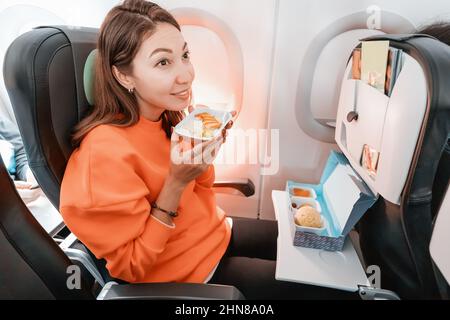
x=43 y=73
x=32 y=264
x=396 y=237
x=44 y=77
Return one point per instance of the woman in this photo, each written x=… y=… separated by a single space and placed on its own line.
x=125 y=197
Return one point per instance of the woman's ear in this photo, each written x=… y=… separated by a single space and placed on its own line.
x=125 y=80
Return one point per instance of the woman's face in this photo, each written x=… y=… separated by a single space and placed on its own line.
x=162 y=72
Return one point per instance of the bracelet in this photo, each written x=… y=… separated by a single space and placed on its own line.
x=173 y=214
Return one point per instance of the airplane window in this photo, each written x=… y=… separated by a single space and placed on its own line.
x=329 y=72
x=219 y=67
x=212 y=85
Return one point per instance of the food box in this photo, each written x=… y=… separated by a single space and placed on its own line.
x=343 y=198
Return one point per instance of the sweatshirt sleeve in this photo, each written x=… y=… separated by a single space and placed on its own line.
x=207 y=178
x=105 y=204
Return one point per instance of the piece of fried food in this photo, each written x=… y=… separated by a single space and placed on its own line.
x=210 y=124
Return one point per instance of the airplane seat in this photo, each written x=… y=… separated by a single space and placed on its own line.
x=41 y=75
x=33 y=266
x=100 y=264
x=396 y=236
x=49 y=99
x=44 y=77
x=441 y=180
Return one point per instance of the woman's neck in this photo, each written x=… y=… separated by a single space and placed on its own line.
x=150 y=113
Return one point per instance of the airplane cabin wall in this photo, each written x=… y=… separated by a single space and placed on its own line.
x=275 y=38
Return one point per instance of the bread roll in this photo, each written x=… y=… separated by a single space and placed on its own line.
x=307 y=216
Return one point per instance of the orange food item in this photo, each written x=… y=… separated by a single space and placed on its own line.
x=209 y=121
x=298 y=192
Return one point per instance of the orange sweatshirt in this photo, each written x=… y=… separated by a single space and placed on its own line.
x=109 y=184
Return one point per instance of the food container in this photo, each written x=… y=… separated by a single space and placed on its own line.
x=303 y=192
x=318 y=231
x=203 y=124
x=343 y=198
x=298 y=202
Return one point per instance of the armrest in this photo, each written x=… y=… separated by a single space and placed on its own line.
x=243 y=187
x=169 y=291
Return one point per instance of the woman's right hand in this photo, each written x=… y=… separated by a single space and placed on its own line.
x=188 y=160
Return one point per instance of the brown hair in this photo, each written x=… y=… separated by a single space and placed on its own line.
x=122 y=32
x=439 y=30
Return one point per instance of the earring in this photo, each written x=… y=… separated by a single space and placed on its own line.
x=131 y=90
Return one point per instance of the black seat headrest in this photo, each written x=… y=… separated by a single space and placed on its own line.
x=43 y=73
